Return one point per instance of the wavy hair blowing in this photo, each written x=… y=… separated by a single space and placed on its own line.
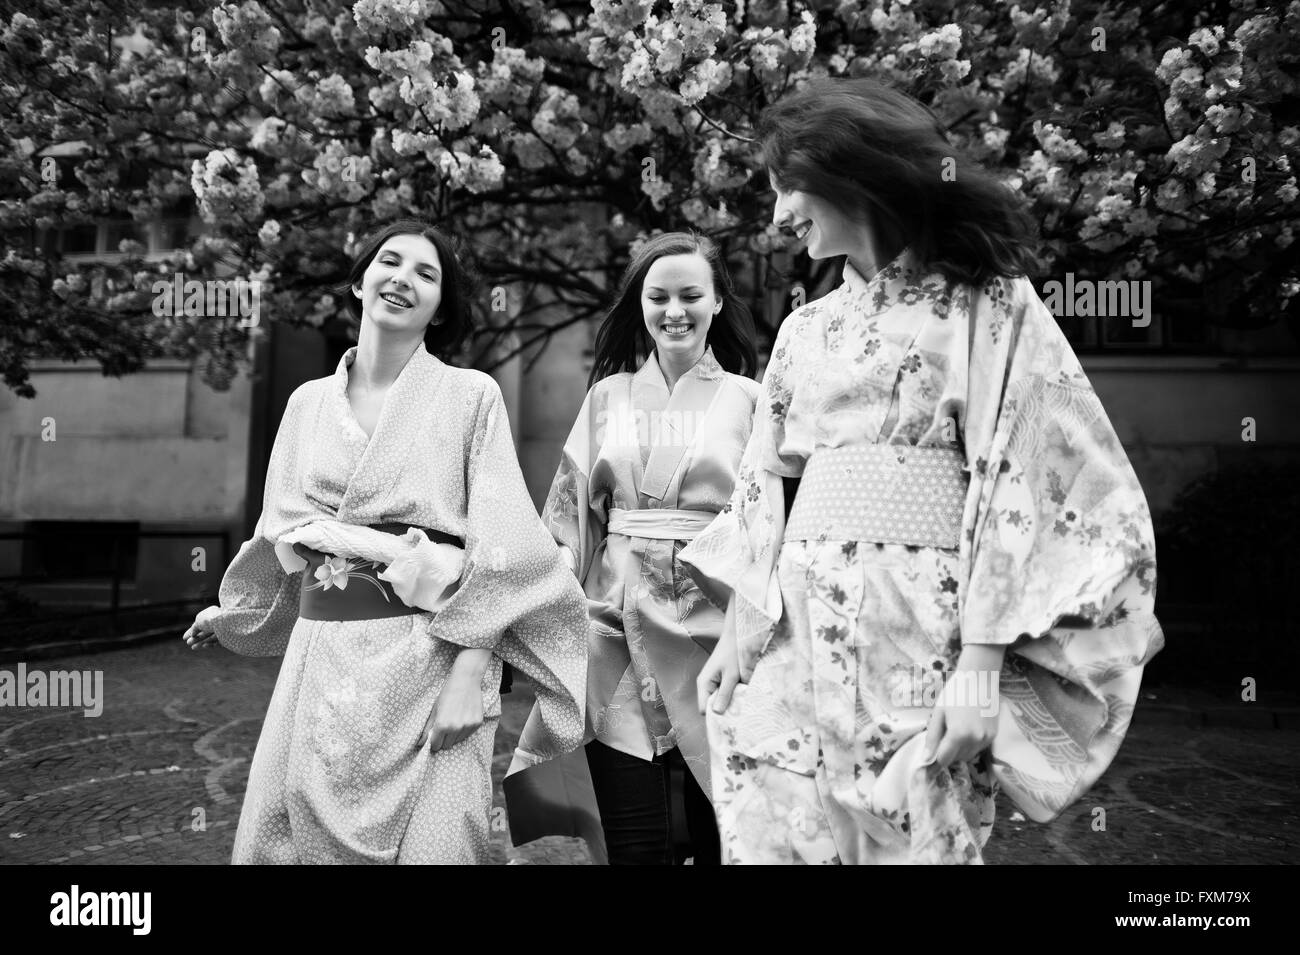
x=881 y=154
x=445 y=336
x=622 y=341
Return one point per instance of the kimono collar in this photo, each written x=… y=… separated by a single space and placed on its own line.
x=706 y=369
x=903 y=281
x=690 y=399
x=374 y=459
x=419 y=359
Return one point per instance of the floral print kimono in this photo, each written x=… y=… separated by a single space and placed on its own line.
x=818 y=759
x=643 y=471
x=336 y=776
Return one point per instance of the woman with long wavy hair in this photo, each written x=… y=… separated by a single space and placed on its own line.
x=650 y=461
x=968 y=561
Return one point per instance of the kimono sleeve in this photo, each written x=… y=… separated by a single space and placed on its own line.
x=576 y=522
x=1058 y=554
x=736 y=555
x=516 y=597
x=259 y=600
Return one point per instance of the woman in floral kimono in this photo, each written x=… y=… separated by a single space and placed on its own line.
x=397 y=562
x=968 y=559
x=651 y=459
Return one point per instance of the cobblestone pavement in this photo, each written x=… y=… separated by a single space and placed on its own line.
x=159 y=777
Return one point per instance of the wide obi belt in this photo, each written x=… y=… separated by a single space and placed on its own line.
x=882 y=493
x=659 y=523
x=338 y=587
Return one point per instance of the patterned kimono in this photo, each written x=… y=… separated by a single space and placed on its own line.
x=842 y=642
x=643 y=472
x=336 y=776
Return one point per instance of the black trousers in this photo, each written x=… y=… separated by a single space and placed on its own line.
x=653 y=812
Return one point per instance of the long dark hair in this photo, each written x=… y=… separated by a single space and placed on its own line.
x=445 y=337
x=622 y=341
x=880 y=154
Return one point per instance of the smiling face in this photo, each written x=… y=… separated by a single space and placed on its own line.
x=402 y=286
x=821 y=226
x=678 y=301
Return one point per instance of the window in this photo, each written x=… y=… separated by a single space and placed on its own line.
x=80 y=550
x=1166 y=325
x=101 y=240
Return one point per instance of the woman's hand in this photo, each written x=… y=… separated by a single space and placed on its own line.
x=458 y=711
x=966 y=716
x=722 y=670
x=200 y=635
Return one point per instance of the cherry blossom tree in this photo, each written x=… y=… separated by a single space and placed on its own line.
x=1152 y=140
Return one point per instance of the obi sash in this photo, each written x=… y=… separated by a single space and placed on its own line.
x=658 y=523
x=352 y=589
x=883 y=493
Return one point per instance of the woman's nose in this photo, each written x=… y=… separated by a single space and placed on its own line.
x=674 y=309
x=781 y=215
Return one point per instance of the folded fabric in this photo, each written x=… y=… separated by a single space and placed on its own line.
x=422 y=573
x=523 y=759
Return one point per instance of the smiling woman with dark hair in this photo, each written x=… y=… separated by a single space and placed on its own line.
x=624 y=340
x=883 y=160
x=968 y=562
x=397 y=562
x=649 y=462
x=445 y=336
